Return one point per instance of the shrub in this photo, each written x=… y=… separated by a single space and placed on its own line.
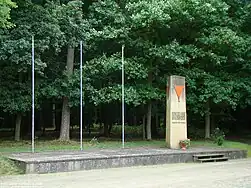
x=129 y=130
x=94 y=141
x=218 y=136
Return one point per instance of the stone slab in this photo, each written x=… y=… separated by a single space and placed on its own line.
x=65 y=161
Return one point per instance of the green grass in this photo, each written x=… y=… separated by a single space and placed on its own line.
x=226 y=144
x=7 y=167
x=55 y=145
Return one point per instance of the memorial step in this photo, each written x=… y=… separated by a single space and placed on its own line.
x=214 y=157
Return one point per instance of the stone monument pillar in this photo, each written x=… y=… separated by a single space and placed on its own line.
x=176 y=117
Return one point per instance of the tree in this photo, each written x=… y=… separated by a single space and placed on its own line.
x=5 y=8
x=208 y=43
x=16 y=59
x=73 y=26
x=211 y=74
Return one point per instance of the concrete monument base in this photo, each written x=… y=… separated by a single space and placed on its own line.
x=49 y=162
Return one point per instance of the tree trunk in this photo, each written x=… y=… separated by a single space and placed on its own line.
x=41 y=123
x=109 y=130
x=65 y=119
x=54 y=116
x=149 y=109
x=207 y=120
x=212 y=122
x=144 y=127
x=18 y=118
x=95 y=115
x=157 y=120
x=149 y=121
x=106 y=130
x=18 y=127
x=134 y=120
x=155 y=126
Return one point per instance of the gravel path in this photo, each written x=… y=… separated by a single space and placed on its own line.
x=231 y=174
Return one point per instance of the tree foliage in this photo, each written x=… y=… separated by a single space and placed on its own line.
x=207 y=42
x=5 y=8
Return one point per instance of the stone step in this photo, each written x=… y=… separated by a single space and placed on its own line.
x=212 y=155
x=220 y=159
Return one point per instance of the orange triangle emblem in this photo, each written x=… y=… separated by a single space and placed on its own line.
x=178 y=90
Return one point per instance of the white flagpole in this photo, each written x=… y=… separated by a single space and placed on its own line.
x=123 y=100
x=81 y=96
x=33 y=98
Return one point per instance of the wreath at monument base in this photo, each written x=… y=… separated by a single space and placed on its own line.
x=184 y=144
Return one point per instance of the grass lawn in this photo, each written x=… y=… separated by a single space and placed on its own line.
x=227 y=144
x=7 y=167
x=55 y=145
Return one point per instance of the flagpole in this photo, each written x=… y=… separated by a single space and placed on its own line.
x=123 y=100
x=81 y=96
x=33 y=98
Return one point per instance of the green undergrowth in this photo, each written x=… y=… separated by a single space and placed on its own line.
x=7 y=167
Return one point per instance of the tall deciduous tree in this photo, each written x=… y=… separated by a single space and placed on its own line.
x=5 y=8
x=74 y=27
x=30 y=19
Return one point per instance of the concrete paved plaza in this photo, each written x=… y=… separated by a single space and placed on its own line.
x=231 y=174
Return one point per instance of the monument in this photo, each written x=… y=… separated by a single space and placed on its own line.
x=176 y=117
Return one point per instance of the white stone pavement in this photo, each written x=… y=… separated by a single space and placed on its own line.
x=231 y=174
